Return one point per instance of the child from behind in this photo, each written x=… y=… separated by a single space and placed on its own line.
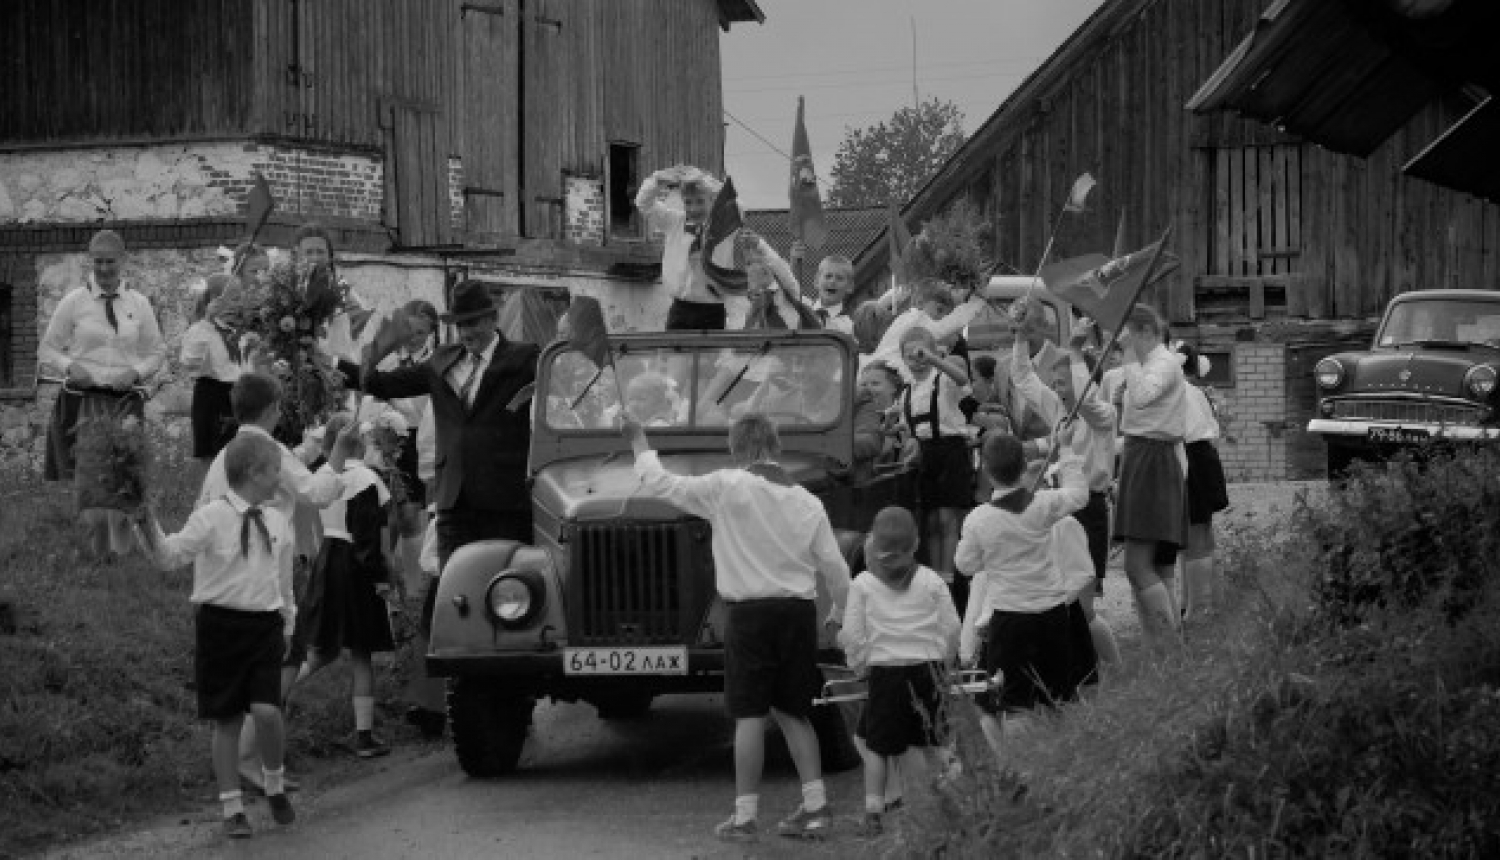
x=242 y=587
x=344 y=607
x=901 y=626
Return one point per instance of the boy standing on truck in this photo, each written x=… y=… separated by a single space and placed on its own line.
x=771 y=540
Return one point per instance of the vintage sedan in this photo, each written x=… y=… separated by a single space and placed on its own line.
x=1428 y=377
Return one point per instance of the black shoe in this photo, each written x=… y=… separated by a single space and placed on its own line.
x=366 y=745
x=237 y=826
x=281 y=809
x=430 y=722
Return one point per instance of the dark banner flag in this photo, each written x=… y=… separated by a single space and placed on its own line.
x=807 y=207
x=1104 y=289
x=721 y=261
x=586 y=331
x=900 y=239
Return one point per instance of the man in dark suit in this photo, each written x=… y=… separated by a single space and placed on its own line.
x=480 y=392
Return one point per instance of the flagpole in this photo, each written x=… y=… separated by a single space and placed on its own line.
x=1098 y=371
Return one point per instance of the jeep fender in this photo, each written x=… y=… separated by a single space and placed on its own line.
x=462 y=624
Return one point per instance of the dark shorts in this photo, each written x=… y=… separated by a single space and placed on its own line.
x=771 y=657
x=690 y=316
x=213 y=420
x=945 y=474
x=236 y=660
x=905 y=708
x=1035 y=651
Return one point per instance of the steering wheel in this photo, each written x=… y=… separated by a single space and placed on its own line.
x=791 y=417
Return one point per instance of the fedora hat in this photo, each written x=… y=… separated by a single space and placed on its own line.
x=471 y=300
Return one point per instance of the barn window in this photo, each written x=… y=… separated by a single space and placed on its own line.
x=624 y=179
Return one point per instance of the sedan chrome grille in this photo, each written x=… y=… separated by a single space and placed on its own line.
x=625 y=585
x=1409 y=412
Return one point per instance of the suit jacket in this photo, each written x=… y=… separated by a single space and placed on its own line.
x=481 y=449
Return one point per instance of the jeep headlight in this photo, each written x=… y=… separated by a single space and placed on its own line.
x=1480 y=380
x=1329 y=373
x=515 y=597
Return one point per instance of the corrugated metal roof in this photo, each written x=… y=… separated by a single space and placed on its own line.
x=849 y=230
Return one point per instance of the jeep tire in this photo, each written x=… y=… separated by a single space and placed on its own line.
x=835 y=738
x=489 y=725
x=623 y=706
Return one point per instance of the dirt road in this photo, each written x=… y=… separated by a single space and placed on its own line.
x=651 y=788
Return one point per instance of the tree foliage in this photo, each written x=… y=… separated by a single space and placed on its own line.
x=891 y=160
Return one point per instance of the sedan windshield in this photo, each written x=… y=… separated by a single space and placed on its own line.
x=669 y=388
x=1443 y=321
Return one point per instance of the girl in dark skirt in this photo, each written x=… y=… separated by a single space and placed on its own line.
x=1207 y=492
x=945 y=475
x=344 y=608
x=211 y=356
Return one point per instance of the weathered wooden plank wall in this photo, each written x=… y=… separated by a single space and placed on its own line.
x=1334 y=236
x=75 y=70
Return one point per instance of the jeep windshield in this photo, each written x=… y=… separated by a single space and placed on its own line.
x=676 y=388
x=1442 y=322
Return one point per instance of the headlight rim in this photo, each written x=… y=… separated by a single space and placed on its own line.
x=1332 y=366
x=535 y=587
x=1472 y=386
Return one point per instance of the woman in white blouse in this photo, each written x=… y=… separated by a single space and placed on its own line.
x=104 y=340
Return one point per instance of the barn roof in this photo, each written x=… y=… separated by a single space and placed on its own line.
x=849 y=230
x=740 y=12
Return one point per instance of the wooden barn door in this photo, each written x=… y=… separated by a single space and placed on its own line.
x=419 y=160
x=490 y=68
x=544 y=79
x=1255 y=241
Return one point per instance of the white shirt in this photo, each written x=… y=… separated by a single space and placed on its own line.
x=205 y=354
x=1155 y=396
x=769 y=540
x=411 y=408
x=223 y=575
x=357 y=478
x=79 y=332
x=1014 y=551
x=918 y=399
x=1075 y=569
x=1094 y=435
x=298 y=486
x=1199 y=420
x=886 y=627
x=837 y=317
x=459 y=373
x=889 y=349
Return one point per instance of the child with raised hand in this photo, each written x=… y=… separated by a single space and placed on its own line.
x=240 y=548
x=900 y=626
x=1007 y=547
x=935 y=420
x=344 y=608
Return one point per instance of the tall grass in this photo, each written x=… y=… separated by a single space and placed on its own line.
x=1345 y=705
x=97 y=715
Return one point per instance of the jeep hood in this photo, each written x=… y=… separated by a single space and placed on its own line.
x=606 y=487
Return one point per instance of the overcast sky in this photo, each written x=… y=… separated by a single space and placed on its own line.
x=852 y=60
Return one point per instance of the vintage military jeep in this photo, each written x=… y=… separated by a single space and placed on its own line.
x=614 y=603
x=1428 y=377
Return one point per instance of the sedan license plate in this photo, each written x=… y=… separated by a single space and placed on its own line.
x=670 y=660
x=1397 y=435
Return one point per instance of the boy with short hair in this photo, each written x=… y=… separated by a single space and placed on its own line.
x=932 y=309
x=771 y=541
x=901 y=626
x=835 y=281
x=240 y=549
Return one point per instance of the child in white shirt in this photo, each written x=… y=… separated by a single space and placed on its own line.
x=901 y=626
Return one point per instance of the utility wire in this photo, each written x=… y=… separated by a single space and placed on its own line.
x=774 y=148
x=860 y=70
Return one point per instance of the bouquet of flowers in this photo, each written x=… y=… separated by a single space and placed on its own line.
x=286 y=320
x=952 y=248
x=111 y=459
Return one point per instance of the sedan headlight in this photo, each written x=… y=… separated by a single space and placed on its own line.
x=516 y=597
x=1329 y=373
x=1480 y=380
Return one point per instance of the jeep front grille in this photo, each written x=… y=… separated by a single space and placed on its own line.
x=626 y=585
x=1408 y=411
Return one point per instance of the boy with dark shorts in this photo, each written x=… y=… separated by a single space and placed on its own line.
x=771 y=540
x=242 y=588
x=902 y=626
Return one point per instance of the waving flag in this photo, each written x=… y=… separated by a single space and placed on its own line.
x=1105 y=289
x=586 y=331
x=807 y=208
x=1080 y=193
x=721 y=263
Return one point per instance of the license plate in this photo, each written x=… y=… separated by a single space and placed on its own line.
x=1397 y=435
x=669 y=660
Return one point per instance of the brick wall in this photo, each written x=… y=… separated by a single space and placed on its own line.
x=17 y=272
x=456 y=209
x=583 y=210
x=1254 y=443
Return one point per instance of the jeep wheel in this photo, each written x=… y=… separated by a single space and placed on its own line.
x=489 y=726
x=624 y=706
x=835 y=739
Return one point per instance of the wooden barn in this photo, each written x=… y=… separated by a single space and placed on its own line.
x=1288 y=249
x=502 y=139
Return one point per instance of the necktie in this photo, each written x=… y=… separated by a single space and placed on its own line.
x=254 y=515
x=231 y=343
x=109 y=310
x=467 y=388
x=823 y=316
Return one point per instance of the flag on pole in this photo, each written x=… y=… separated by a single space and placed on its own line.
x=1119 y=249
x=723 y=266
x=586 y=331
x=807 y=208
x=259 y=204
x=1104 y=289
x=1080 y=193
x=900 y=239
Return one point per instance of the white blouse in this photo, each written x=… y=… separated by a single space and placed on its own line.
x=79 y=332
x=205 y=354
